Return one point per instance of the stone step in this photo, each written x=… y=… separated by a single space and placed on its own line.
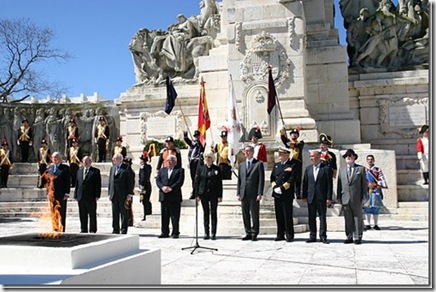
x=406 y=161
x=413 y=193
x=409 y=177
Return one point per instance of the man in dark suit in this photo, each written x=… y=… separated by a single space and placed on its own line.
x=87 y=193
x=352 y=191
x=209 y=190
x=60 y=176
x=283 y=176
x=170 y=180
x=251 y=181
x=317 y=192
x=121 y=190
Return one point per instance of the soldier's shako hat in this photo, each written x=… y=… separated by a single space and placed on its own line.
x=169 y=139
x=43 y=141
x=196 y=133
x=294 y=131
x=4 y=143
x=223 y=134
x=325 y=139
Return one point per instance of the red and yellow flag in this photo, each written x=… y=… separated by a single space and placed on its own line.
x=203 y=115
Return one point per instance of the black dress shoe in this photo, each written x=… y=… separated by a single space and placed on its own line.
x=376 y=227
x=115 y=232
x=163 y=236
x=358 y=241
x=325 y=241
x=254 y=238
x=311 y=240
x=206 y=236
x=367 y=227
x=289 y=239
x=348 y=240
x=279 y=238
x=213 y=236
x=175 y=236
x=246 y=237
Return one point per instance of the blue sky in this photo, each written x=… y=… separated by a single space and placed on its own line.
x=97 y=34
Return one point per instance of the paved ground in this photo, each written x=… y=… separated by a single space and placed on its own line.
x=396 y=256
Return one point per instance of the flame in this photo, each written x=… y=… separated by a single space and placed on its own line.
x=52 y=214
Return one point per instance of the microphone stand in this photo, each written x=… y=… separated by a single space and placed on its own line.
x=197 y=245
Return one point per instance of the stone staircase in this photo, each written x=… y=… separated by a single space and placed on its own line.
x=23 y=199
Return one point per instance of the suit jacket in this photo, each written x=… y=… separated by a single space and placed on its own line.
x=251 y=182
x=209 y=181
x=61 y=180
x=90 y=187
x=284 y=176
x=175 y=182
x=122 y=183
x=320 y=189
x=355 y=189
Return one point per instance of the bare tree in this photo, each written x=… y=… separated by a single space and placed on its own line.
x=23 y=45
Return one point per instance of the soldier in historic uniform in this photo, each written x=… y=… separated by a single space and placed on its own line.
x=327 y=156
x=74 y=158
x=5 y=164
x=24 y=141
x=72 y=133
x=259 y=148
x=119 y=148
x=194 y=156
x=222 y=151
x=101 y=136
x=169 y=149
x=296 y=152
x=44 y=159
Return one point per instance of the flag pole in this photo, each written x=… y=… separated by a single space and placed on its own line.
x=277 y=100
x=184 y=118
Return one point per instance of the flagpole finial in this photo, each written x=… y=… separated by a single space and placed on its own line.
x=202 y=80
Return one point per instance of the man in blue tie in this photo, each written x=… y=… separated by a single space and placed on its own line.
x=60 y=175
x=317 y=192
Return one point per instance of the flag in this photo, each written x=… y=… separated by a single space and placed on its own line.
x=171 y=96
x=234 y=130
x=272 y=93
x=203 y=115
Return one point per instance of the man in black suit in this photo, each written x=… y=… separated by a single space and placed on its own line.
x=170 y=180
x=87 y=193
x=317 y=192
x=60 y=175
x=121 y=190
x=251 y=181
x=283 y=177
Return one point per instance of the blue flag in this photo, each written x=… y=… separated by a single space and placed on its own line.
x=171 y=96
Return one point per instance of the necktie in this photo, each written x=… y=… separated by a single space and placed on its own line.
x=117 y=169
x=248 y=165
x=315 y=171
x=169 y=172
x=55 y=169
x=86 y=172
x=349 y=171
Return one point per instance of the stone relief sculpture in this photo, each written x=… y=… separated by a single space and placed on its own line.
x=39 y=131
x=382 y=36
x=54 y=129
x=50 y=122
x=175 y=53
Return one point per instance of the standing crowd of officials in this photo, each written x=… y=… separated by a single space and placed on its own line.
x=207 y=170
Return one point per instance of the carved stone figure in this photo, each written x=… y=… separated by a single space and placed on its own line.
x=54 y=129
x=38 y=129
x=86 y=135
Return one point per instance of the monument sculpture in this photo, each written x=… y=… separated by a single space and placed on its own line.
x=157 y=54
x=382 y=36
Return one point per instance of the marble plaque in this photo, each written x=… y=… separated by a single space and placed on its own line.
x=406 y=116
x=161 y=127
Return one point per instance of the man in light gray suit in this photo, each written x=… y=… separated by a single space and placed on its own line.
x=251 y=181
x=352 y=191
